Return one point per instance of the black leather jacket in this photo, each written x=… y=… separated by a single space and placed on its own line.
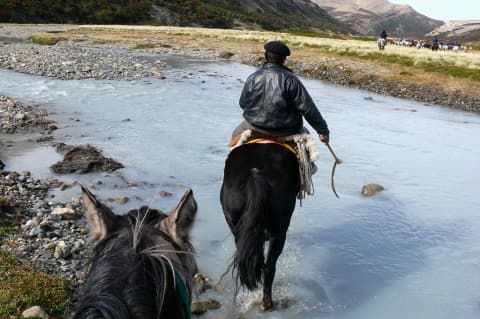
x=274 y=100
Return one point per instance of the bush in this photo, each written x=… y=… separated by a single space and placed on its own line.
x=23 y=286
x=140 y=46
x=44 y=39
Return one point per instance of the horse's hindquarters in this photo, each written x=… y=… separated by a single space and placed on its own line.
x=258 y=194
x=279 y=168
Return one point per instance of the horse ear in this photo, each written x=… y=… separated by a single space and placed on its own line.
x=101 y=219
x=179 y=222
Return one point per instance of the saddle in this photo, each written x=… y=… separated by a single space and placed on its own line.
x=252 y=137
x=301 y=145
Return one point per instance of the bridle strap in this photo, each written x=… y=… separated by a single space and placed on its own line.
x=184 y=294
x=179 y=281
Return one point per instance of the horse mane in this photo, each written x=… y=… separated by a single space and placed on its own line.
x=129 y=277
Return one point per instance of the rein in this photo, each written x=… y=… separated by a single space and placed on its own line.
x=337 y=161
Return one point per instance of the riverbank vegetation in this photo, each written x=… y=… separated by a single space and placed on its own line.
x=44 y=39
x=24 y=285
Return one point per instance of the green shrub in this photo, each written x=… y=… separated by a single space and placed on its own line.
x=140 y=46
x=23 y=286
x=44 y=39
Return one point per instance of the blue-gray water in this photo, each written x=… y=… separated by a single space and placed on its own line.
x=413 y=251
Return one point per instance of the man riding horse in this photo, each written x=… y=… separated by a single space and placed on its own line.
x=263 y=177
x=382 y=40
x=274 y=101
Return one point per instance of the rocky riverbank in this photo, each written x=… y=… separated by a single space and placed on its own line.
x=73 y=61
x=51 y=234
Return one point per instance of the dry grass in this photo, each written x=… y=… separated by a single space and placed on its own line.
x=469 y=60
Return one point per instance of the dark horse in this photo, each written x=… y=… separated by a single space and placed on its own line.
x=142 y=265
x=258 y=196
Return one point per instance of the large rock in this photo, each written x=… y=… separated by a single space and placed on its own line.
x=371 y=189
x=2 y=165
x=84 y=159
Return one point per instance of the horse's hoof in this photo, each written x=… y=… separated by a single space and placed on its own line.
x=267 y=307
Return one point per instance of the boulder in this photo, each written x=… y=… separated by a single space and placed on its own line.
x=84 y=159
x=371 y=189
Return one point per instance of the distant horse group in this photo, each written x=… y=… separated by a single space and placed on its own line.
x=432 y=45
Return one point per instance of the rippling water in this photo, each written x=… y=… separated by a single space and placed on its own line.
x=413 y=251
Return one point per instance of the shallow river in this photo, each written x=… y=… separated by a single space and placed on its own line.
x=412 y=251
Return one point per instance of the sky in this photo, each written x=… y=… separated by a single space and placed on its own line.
x=445 y=9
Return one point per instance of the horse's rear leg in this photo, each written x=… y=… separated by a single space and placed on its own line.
x=275 y=248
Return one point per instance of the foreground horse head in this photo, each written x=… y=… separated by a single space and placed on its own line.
x=142 y=265
x=258 y=196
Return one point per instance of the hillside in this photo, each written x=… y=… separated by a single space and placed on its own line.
x=250 y=14
x=460 y=31
x=370 y=17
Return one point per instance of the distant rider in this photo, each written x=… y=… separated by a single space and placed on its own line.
x=435 y=43
x=383 y=35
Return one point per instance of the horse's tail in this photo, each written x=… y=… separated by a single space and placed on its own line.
x=250 y=233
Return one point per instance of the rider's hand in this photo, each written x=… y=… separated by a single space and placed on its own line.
x=324 y=138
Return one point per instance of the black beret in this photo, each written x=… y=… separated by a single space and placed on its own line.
x=277 y=47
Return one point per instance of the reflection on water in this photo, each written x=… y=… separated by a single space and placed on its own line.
x=413 y=251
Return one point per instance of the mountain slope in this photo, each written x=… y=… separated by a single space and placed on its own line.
x=288 y=14
x=262 y=14
x=461 y=31
x=370 y=17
